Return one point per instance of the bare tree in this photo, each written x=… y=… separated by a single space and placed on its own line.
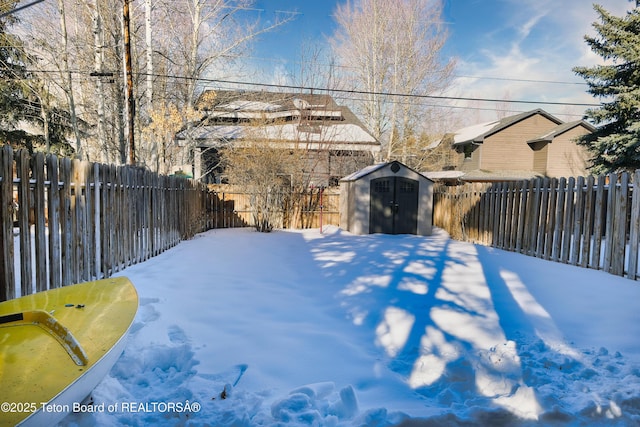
x=266 y=167
x=200 y=37
x=392 y=46
x=174 y=45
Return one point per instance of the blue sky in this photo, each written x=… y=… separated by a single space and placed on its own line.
x=505 y=49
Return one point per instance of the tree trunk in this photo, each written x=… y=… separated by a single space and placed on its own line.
x=67 y=71
x=98 y=41
x=131 y=106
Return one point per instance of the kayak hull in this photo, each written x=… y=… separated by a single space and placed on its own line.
x=56 y=346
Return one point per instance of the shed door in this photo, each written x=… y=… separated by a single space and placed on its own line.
x=394 y=206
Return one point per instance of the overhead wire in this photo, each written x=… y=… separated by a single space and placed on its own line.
x=378 y=93
x=357 y=91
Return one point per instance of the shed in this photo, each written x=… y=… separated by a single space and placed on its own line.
x=388 y=198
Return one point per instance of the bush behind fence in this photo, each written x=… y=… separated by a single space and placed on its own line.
x=591 y=222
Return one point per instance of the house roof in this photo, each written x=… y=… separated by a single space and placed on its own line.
x=481 y=175
x=287 y=118
x=240 y=100
x=477 y=133
x=560 y=129
x=448 y=174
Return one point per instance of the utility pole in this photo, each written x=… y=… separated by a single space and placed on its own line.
x=131 y=103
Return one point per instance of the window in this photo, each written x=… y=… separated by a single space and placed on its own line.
x=468 y=151
x=382 y=186
x=406 y=187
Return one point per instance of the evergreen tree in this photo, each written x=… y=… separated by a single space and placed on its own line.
x=18 y=100
x=12 y=70
x=616 y=143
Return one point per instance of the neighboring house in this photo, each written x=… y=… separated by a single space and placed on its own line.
x=332 y=139
x=522 y=146
x=557 y=154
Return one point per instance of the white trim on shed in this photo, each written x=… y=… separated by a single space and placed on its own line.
x=356 y=200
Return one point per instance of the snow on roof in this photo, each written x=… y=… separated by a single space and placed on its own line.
x=212 y=132
x=477 y=133
x=349 y=135
x=250 y=105
x=471 y=132
x=364 y=171
x=443 y=174
x=286 y=132
x=500 y=175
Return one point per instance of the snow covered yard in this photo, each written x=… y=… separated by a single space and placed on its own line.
x=239 y=328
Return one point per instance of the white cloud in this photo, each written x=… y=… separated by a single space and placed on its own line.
x=280 y=75
x=547 y=41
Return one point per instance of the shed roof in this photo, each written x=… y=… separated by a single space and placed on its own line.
x=363 y=172
x=370 y=169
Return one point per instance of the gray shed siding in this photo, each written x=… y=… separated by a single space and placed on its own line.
x=355 y=197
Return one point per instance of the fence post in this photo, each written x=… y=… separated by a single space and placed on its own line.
x=39 y=222
x=559 y=220
x=534 y=216
x=619 y=237
x=568 y=218
x=599 y=219
x=522 y=209
x=634 y=228
x=24 y=205
x=53 y=206
x=587 y=224
x=578 y=213
x=543 y=217
x=7 y=272
x=551 y=218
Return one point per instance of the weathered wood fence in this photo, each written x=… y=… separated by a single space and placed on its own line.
x=65 y=221
x=302 y=210
x=592 y=222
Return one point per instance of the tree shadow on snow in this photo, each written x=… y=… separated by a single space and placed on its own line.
x=461 y=330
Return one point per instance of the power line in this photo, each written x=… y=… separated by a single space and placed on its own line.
x=458 y=107
x=336 y=65
x=2 y=15
x=522 y=80
x=352 y=91
x=390 y=94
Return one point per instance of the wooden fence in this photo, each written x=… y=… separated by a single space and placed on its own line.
x=591 y=222
x=65 y=221
x=311 y=209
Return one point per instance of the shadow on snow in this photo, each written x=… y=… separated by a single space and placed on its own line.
x=461 y=330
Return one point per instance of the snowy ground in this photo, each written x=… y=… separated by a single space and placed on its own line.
x=239 y=328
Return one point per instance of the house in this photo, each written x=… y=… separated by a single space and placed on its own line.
x=556 y=152
x=522 y=146
x=334 y=142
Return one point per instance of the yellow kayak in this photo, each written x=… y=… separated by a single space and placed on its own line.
x=57 y=345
